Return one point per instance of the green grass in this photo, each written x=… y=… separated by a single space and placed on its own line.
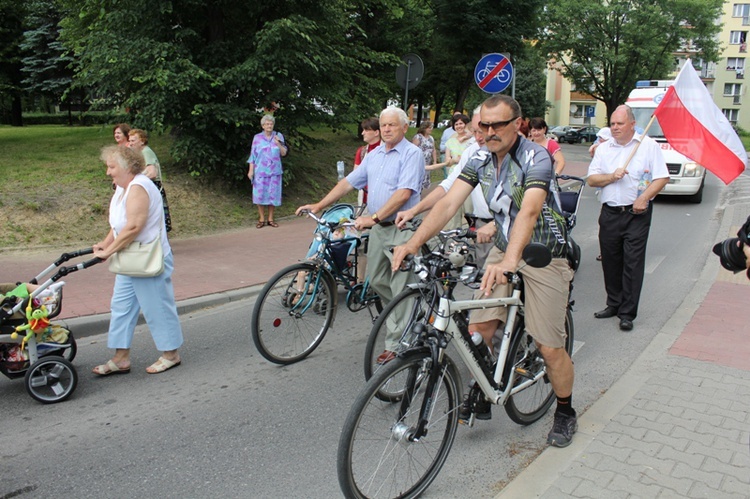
x=745 y=138
x=54 y=191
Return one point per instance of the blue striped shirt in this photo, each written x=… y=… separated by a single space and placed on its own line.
x=386 y=172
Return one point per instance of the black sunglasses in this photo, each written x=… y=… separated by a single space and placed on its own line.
x=497 y=126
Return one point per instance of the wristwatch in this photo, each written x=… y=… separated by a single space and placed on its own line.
x=375 y=218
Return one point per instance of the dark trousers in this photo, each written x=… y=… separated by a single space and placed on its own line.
x=622 y=240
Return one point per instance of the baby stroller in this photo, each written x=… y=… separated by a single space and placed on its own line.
x=570 y=199
x=30 y=345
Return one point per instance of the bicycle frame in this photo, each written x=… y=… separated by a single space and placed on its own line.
x=444 y=322
x=324 y=259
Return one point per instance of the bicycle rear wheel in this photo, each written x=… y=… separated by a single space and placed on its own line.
x=410 y=306
x=377 y=454
x=531 y=403
x=293 y=313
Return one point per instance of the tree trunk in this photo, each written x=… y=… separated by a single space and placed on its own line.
x=16 y=111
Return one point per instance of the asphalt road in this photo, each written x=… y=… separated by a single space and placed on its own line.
x=229 y=424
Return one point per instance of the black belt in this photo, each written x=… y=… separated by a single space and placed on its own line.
x=618 y=209
x=486 y=220
x=386 y=224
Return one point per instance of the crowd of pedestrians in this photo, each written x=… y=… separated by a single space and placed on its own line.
x=499 y=167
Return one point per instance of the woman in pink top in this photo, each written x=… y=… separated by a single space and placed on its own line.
x=538 y=133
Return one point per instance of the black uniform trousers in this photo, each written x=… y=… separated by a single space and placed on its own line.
x=622 y=240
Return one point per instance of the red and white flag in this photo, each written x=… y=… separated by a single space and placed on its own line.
x=696 y=127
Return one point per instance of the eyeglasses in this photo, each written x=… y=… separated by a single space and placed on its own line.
x=497 y=126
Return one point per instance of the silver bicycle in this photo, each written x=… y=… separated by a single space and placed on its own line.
x=396 y=446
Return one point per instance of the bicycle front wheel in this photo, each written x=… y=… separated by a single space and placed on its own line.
x=406 y=309
x=531 y=403
x=378 y=455
x=293 y=313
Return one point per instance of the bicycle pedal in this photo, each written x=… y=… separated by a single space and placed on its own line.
x=467 y=421
x=523 y=372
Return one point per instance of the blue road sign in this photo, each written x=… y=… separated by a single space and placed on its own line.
x=493 y=73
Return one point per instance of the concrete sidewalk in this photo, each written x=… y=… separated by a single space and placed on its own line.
x=676 y=423
x=208 y=271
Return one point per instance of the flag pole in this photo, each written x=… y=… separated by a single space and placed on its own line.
x=635 y=149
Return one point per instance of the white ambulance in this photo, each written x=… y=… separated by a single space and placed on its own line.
x=686 y=177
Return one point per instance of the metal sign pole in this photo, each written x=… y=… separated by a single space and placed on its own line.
x=406 y=93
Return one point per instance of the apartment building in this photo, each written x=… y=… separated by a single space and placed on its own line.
x=724 y=80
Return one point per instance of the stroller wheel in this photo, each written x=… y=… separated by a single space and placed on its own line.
x=51 y=379
x=70 y=352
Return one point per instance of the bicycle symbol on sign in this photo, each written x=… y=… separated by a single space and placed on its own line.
x=503 y=76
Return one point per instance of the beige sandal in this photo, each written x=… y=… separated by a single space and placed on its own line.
x=109 y=368
x=162 y=365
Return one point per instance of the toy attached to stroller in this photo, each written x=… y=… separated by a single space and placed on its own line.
x=30 y=345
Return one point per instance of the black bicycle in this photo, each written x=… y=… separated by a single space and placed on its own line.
x=417 y=302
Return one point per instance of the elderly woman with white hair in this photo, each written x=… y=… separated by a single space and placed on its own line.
x=136 y=214
x=264 y=170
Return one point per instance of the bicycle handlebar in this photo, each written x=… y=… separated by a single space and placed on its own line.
x=323 y=221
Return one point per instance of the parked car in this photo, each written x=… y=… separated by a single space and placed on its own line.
x=558 y=132
x=586 y=134
x=444 y=123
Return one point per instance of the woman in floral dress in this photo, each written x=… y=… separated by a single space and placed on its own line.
x=423 y=139
x=264 y=170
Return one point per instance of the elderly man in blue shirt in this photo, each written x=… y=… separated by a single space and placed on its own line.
x=393 y=173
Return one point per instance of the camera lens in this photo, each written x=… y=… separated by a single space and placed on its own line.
x=731 y=254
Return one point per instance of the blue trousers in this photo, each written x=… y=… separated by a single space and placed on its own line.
x=153 y=295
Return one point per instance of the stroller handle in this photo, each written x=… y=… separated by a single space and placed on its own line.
x=73 y=254
x=62 y=271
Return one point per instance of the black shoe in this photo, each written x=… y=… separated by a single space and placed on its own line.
x=606 y=313
x=477 y=404
x=562 y=430
x=626 y=325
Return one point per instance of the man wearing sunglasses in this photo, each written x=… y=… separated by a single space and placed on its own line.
x=625 y=219
x=518 y=181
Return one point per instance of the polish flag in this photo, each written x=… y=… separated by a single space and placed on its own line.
x=696 y=127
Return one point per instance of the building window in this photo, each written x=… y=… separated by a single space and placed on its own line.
x=732 y=89
x=735 y=63
x=739 y=38
x=732 y=115
x=741 y=10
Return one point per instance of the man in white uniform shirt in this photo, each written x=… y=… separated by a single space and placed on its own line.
x=618 y=166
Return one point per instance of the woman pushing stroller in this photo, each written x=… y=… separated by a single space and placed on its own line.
x=136 y=214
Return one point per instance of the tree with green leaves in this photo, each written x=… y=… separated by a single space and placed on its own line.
x=531 y=81
x=207 y=70
x=464 y=33
x=46 y=66
x=604 y=46
x=12 y=14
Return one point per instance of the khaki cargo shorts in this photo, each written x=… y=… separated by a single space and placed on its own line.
x=546 y=293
